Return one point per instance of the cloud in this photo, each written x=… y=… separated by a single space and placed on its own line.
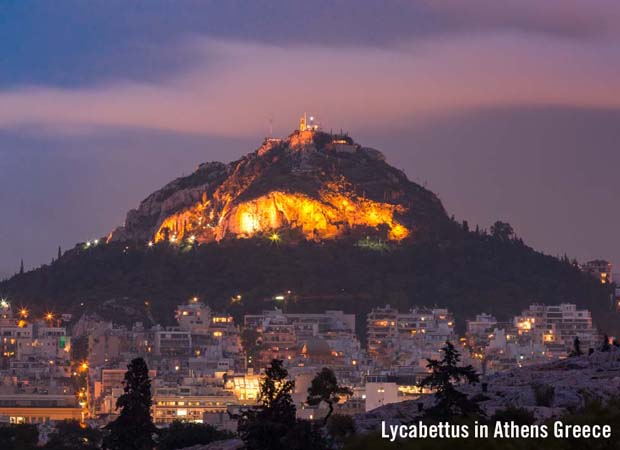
x=233 y=88
x=564 y=17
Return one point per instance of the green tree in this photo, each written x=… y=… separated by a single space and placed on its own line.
x=341 y=427
x=595 y=412
x=605 y=347
x=133 y=429
x=266 y=426
x=251 y=346
x=71 y=435
x=576 y=351
x=79 y=349
x=19 y=437
x=519 y=416
x=325 y=388
x=544 y=394
x=304 y=435
x=183 y=434
x=502 y=231
x=444 y=374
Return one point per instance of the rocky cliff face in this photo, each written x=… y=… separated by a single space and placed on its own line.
x=311 y=185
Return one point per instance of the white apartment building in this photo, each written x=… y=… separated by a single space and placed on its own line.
x=482 y=324
x=381 y=393
x=194 y=317
x=419 y=332
x=558 y=324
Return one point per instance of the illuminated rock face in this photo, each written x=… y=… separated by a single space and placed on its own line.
x=315 y=187
x=331 y=216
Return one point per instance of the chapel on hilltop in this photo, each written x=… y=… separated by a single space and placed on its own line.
x=306 y=124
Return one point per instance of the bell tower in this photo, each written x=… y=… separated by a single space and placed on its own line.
x=303 y=122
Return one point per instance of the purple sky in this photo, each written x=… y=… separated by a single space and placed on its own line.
x=507 y=110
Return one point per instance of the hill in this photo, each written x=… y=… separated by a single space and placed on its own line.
x=313 y=185
x=316 y=220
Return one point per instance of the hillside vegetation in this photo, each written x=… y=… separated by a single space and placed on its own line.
x=469 y=272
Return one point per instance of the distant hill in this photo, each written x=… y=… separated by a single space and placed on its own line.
x=315 y=214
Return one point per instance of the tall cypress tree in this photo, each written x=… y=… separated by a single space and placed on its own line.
x=134 y=428
x=576 y=351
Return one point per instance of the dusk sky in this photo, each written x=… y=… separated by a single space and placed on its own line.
x=506 y=109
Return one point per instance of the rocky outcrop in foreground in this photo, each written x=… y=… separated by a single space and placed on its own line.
x=575 y=381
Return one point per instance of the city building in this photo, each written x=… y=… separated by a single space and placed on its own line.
x=558 y=324
x=600 y=269
x=380 y=393
x=407 y=339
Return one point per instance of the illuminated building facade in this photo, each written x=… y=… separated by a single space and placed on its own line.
x=31 y=407
x=194 y=317
x=172 y=342
x=169 y=404
x=558 y=324
x=482 y=324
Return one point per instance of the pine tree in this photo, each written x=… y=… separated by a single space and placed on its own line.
x=21 y=267
x=59 y=253
x=444 y=373
x=324 y=388
x=133 y=429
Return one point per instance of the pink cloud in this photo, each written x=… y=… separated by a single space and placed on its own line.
x=234 y=88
